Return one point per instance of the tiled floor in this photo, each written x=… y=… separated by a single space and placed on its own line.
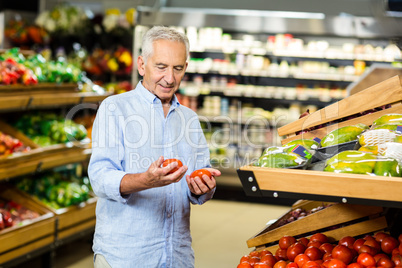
x=220 y=229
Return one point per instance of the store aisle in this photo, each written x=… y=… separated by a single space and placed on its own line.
x=220 y=230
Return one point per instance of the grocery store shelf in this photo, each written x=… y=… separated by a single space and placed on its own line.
x=320 y=185
x=54 y=99
x=338 y=55
x=41 y=159
x=277 y=74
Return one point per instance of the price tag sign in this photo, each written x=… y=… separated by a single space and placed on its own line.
x=317 y=139
x=300 y=150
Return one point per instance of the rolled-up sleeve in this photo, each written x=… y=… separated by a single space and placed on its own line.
x=105 y=169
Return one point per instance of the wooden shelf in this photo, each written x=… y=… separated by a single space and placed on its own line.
x=41 y=159
x=321 y=186
x=19 y=240
x=55 y=99
x=327 y=186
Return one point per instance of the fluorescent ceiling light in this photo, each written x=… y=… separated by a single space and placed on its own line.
x=244 y=12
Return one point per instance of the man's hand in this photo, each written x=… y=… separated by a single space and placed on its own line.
x=155 y=176
x=198 y=187
x=158 y=176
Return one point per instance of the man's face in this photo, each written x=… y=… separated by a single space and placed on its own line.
x=165 y=69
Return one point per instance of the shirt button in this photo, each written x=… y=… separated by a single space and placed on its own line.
x=169 y=215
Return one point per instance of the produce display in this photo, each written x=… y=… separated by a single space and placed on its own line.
x=10 y=145
x=359 y=162
x=14 y=214
x=293 y=154
x=57 y=190
x=39 y=69
x=343 y=134
x=374 y=150
x=48 y=128
x=320 y=251
x=13 y=72
x=300 y=213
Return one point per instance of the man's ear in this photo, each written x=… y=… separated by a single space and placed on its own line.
x=141 y=65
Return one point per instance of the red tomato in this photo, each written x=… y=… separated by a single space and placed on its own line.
x=311 y=264
x=244 y=265
x=336 y=263
x=388 y=244
x=268 y=259
x=325 y=263
x=316 y=244
x=366 y=259
x=265 y=252
x=342 y=253
x=281 y=254
x=286 y=241
x=245 y=258
x=301 y=259
x=397 y=259
x=294 y=250
x=327 y=256
x=319 y=261
x=314 y=253
x=254 y=253
x=379 y=236
x=200 y=172
x=358 y=243
x=320 y=238
x=292 y=265
x=326 y=247
x=368 y=237
x=262 y=265
x=374 y=244
x=396 y=251
x=347 y=241
x=253 y=260
x=168 y=161
x=379 y=256
x=355 y=265
x=367 y=249
x=280 y=264
x=385 y=262
x=304 y=241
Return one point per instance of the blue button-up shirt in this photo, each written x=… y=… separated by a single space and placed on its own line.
x=150 y=228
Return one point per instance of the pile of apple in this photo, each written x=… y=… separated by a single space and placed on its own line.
x=377 y=250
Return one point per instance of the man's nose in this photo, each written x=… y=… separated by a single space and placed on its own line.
x=169 y=76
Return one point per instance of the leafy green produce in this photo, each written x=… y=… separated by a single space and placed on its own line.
x=57 y=190
x=48 y=129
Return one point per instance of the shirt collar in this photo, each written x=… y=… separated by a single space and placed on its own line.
x=151 y=98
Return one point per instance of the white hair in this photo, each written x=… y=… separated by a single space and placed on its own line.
x=161 y=33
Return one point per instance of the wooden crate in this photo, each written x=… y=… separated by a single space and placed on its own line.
x=40 y=158
x=19 y=240
x=362 y=228
x=40 y=88
x=73 y=219
x=348 y=219
x=20 y=97
x=386 y=93
x=327 y=186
